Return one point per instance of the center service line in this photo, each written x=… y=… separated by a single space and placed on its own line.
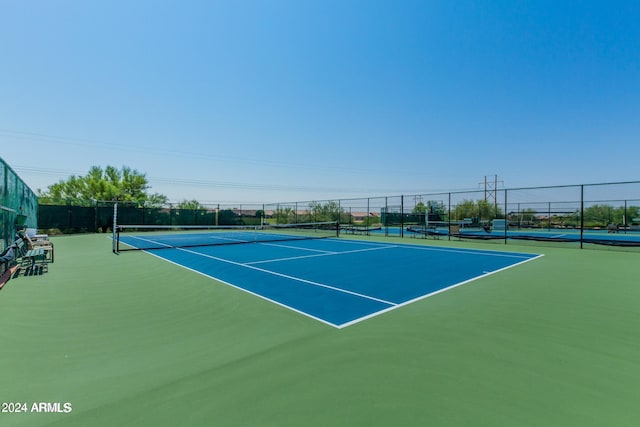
x=309 y=282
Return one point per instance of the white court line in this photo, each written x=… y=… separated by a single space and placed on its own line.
x=230 y=239
x=240 y=288
x=439 y=291
x=290 y=258
x=298 y=279
x=148 y=240
x=558 y=235
x=155 y=242
x=326 y=253
x=293 y=247
x=481 y=252
x=392 y=306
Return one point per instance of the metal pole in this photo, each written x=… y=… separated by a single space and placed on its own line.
x=449 y=218
x=506 y=217
x=402 y=216
x=95 y=215
x=386 y=217
x=581 y=214
x=114 y=239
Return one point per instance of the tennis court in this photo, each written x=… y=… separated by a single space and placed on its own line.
x=336 y=281
x=560 y=235
x=136 y=340
x=601 y=237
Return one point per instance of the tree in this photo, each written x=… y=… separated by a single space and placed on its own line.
x=227 y=217
x=466 y=209
x=488 y=210
x=436 y=210
x=156 y=200
x=526 y=217
x=285 y=215
x=604 y=214
x=478 y=211
x=632 y=215
x=124 y=184
x=329 y=211
x=191 y=204
x=420 y=208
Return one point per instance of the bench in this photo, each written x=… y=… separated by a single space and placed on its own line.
x=29 y=257
x=41 y=242
x=351 y=229
x=33 y=254
x=20 y=248
x=425 y=232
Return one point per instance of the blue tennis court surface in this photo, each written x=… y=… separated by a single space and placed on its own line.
x=338 y=281
x=619 y=238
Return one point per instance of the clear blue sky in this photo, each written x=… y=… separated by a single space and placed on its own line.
x=267 y=101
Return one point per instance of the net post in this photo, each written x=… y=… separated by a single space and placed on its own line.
x=115 y=236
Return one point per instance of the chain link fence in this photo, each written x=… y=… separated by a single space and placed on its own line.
x=18 y=205
x=604 y=214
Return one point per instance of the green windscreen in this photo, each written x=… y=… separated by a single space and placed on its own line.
x=18 y=205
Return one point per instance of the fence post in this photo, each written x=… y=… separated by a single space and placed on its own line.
x=95 y=216
x=69 y=214
x=506 y=217
x=386 y=216
x=581 y=214
x=114 y=238
x=402 y=216
x=449 y=218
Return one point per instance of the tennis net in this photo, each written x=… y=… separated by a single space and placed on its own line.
x=149 y=237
